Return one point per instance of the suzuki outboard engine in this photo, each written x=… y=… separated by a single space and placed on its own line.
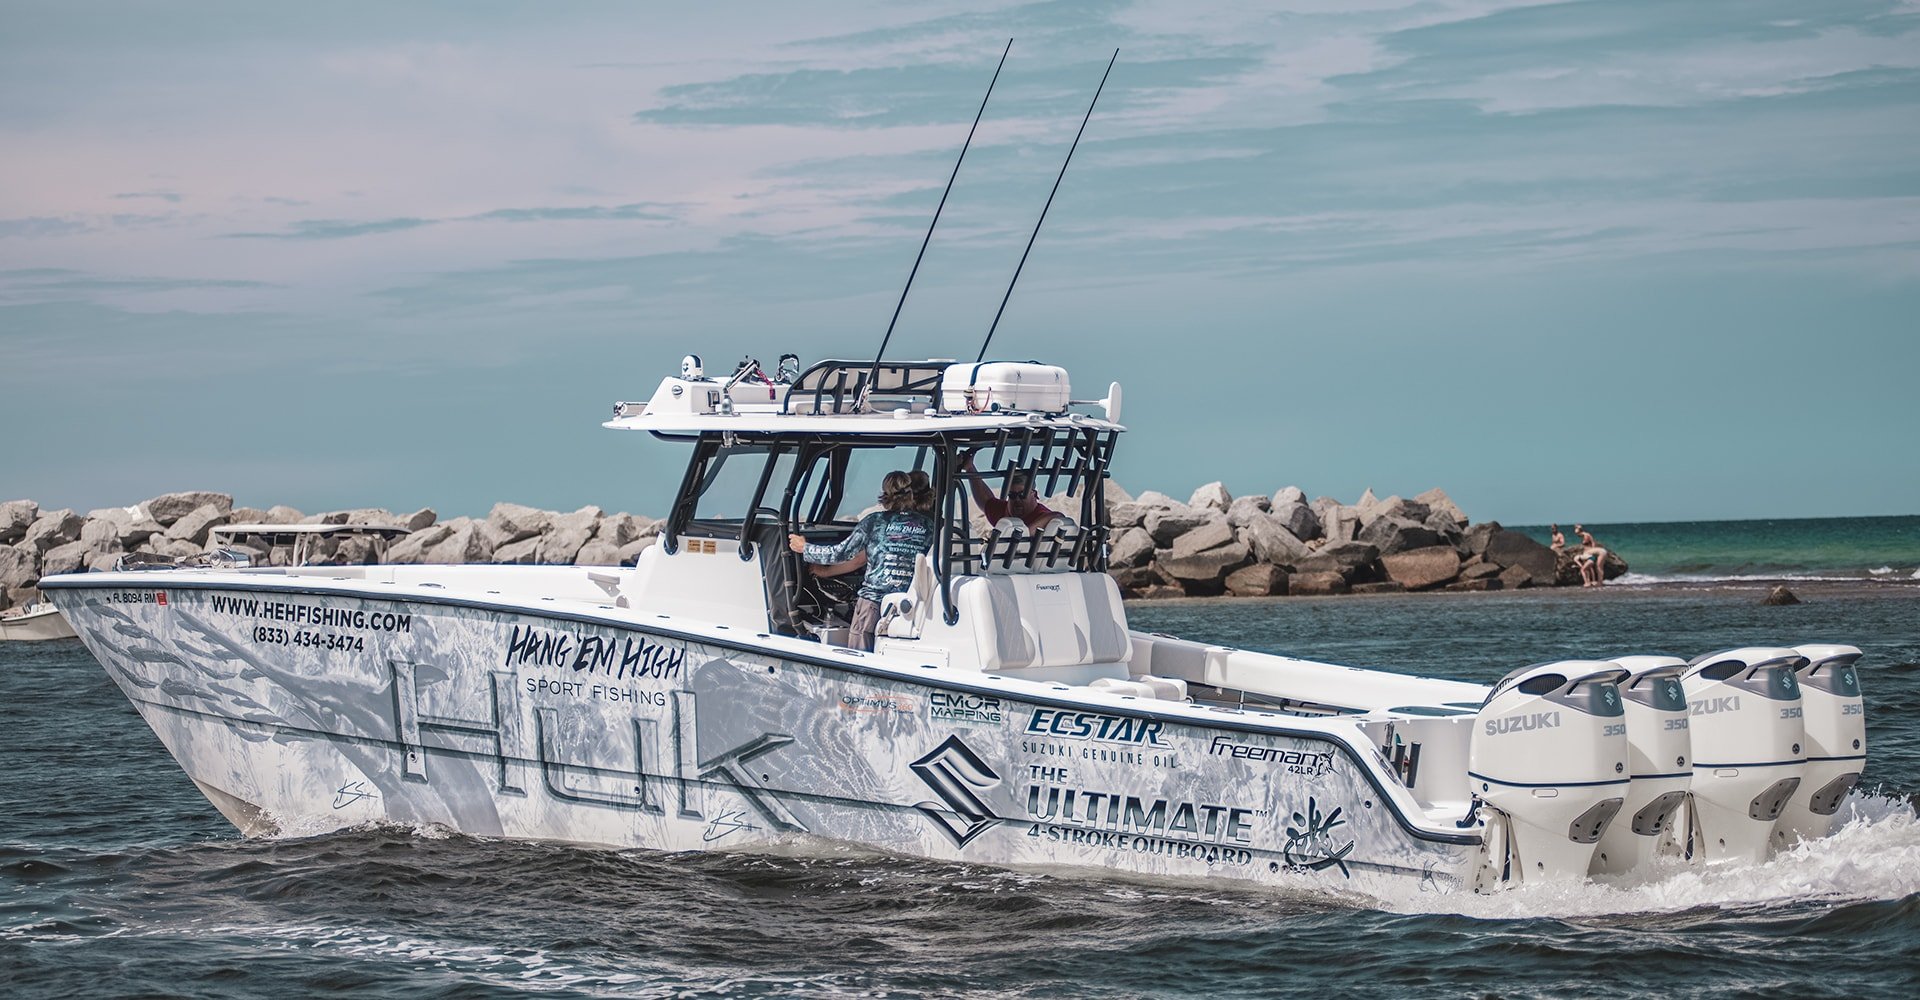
x=1836 y=743
x=1549 y=757
x=1659 y=751
x=1749 y=748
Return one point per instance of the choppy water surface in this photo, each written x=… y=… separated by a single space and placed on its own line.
x=116 y=877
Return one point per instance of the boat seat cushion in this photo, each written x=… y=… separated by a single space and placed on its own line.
x=1051 y=620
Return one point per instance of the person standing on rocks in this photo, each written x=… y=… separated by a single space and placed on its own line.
x=1559 y=540
x=887 y=542
x=1592 y=559
x=1020 y=501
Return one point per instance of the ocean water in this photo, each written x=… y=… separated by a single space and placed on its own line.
x=118 y=879
x=1829 y=548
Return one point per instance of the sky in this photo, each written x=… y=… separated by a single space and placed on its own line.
x=1607 y=261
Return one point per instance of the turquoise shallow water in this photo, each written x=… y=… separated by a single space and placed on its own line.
x=1852 y=548
x=118 y=879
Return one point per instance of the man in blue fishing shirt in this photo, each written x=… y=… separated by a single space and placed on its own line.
x=889 y=539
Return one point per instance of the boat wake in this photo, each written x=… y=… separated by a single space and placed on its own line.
x=1874 y=856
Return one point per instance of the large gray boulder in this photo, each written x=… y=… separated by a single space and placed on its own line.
x=68 y=558
x=329 y=517
x=1121 y=516
x=100 y=535
x=1289 y=494
x=282 y=514
x=1398 y=534
x=16 y=516
x=413 y=548
x=1167 y=525
x=1475 y=539
x=377 y=516
x=1508 y=549
x=1352 y=560
x=597 y=553
x=1319 y=583
x=616 y=530
x=1134 y=547
x=1200 y=571
x=194 y=525
x=1272 y=543
x=422 y=518
x=1420 y=569
x=1408 y=510
x=1299 y=519
x=1114 y=494
x=566 y=533
x=1155 y=498
x=1338 y=523
x=1244 y=508
x=130 y=525
x=1439 y=503
x=170 y=507
x=1257 y=580
x=466 y=543
x=53 y=528
x=18 y=567
x=241 y=515
x=517 y=521
x=1213 y=532
x=520 y=553
x=1213 y=496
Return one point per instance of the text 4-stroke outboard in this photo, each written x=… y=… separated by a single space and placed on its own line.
x=1836 y=741
x=1659 y=752
x=1744 y=715
x=1548 y=759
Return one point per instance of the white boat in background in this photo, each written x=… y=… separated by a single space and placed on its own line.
x=1007 y=714
x=35 y=623
x=308 y=543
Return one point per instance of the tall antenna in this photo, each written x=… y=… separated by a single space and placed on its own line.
x=1043 y=211
x=874 y=372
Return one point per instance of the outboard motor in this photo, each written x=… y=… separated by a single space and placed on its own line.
x=1749 y=748
x=1549 y=757
x=1836 y=742
x=1659 y=751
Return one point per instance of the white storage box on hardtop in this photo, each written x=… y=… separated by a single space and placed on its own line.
x=1027 y=386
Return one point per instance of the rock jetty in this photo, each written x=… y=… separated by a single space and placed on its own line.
x=1256 y=546
x=1212 y=544
x=36 y=542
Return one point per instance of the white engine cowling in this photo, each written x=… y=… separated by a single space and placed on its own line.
x=1549 y=754
x=1659 y=751
x=1836 y=740
x=1748 y=748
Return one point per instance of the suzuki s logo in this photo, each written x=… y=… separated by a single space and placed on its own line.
x=957 y=775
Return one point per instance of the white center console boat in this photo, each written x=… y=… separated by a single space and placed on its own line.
x=1007 y=714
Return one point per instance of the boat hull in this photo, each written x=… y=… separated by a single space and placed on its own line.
x=299 y=713
x=38 y=626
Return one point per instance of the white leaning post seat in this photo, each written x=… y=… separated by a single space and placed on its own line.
x=1055 y=620
x=904 y=612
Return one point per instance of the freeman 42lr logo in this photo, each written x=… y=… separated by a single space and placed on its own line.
x=958 y=776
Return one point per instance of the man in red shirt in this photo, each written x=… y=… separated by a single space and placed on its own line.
x=1020 y=501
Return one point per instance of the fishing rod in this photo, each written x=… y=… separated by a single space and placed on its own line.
x=1043 y=210
x=874 y=372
